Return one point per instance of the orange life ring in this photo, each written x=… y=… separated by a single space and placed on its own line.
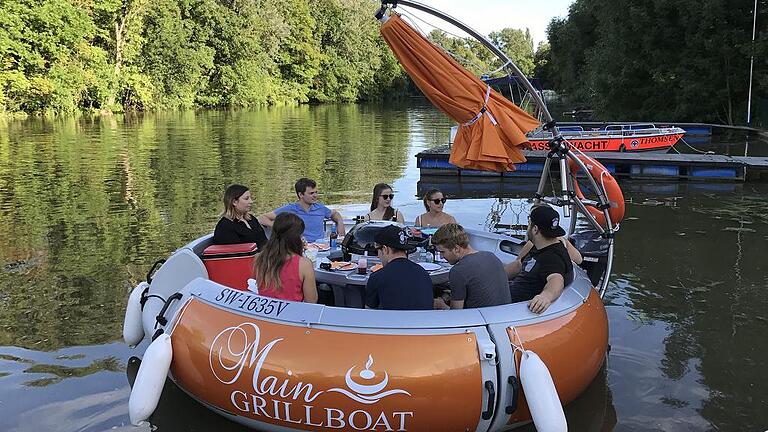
x=612 y=189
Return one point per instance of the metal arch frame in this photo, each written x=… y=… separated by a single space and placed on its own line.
x=559 y=147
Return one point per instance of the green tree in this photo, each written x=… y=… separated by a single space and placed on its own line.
x=47 y=58
x=542 y=67
x=679 y=60
x=517 y=45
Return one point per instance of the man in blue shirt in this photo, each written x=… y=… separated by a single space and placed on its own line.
x=401 y=284
x=309 y=210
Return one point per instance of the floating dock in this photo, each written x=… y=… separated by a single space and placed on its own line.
x=664 y=166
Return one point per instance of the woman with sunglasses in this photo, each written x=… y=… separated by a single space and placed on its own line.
x=434 y=200
x=381 y=206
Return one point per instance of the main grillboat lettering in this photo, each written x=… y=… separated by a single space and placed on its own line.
x=251 y=302
x=237 y=350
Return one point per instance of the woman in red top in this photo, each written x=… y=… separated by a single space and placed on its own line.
x=280 y=269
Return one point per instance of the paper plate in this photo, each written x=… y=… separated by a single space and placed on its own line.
x=321 y=247
x=342 y=265
x=428 y=266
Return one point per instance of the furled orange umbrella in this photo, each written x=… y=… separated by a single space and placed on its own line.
x=491 y=128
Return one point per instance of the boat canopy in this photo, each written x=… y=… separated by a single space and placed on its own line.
x=491 y=128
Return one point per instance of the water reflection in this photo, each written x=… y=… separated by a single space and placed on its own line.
x=696 y=286
x=87 y=204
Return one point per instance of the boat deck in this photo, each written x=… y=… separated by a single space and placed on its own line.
x=639 y=165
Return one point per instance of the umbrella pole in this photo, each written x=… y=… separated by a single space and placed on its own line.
x=558 y=145
x=485 y=42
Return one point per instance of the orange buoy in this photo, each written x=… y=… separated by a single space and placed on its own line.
x=609 y=184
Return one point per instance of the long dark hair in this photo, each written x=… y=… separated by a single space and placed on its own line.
x=389 y=213
x=232 y=194
x=284 y=241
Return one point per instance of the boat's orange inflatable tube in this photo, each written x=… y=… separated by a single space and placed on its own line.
x=611 y=187
x=581 y=334
x=302 y=377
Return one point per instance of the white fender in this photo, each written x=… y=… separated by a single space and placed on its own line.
x=150 y=379
x=543 y=401
x=133 y=329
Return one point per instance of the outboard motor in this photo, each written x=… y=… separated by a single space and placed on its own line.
x=594 y=251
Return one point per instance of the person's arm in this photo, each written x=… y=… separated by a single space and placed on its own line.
x=458 y=288
x=516 y=266
x=267 y=219
x=336 y=217
x=417 y=222
x=525 y=250
x=400 y=218
x=372 y=293
x=439 y=304
x=513 y=268
x=550 y=293
x=452 y=219
x=260 y=234
x=307 y=272
x=573 y=253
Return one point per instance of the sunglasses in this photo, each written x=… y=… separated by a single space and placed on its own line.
x=388 y=197
x=439 y=200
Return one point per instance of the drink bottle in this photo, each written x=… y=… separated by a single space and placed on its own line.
x=333 y=237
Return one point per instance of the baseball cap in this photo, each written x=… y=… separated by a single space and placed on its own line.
x=548 y=221
x=394 y=236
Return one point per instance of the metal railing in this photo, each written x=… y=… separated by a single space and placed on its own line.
x=560 y=148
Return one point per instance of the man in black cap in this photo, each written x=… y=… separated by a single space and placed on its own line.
x=400 y=284
x=542 y=277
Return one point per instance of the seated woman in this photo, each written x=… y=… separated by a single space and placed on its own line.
x=434 y=201
x=237 y=225
x=381 y=206
x=280 y=269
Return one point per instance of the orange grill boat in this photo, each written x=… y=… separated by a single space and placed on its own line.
x=278 y=365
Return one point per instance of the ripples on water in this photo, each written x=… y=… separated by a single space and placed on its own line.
x=87 y=205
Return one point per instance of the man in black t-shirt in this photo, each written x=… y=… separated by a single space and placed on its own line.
x=400 y=284
x=541 y=278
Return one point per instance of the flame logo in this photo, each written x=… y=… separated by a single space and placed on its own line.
x=366 y=393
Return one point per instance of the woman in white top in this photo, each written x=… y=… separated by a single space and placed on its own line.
x=381 y=206
x=434 y=201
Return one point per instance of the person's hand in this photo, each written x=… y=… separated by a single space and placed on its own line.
x=539 y=304
x=440 y=304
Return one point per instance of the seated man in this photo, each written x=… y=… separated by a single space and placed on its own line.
x=400 y=284
x=477 y=278
x=309 y=210
x=543 y=276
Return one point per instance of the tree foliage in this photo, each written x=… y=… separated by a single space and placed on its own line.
x=60 y=56
x=680 y=60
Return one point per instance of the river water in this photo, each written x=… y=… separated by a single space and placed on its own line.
x=87 y=205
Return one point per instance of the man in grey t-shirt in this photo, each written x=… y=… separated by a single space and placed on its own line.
x=477 y=278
